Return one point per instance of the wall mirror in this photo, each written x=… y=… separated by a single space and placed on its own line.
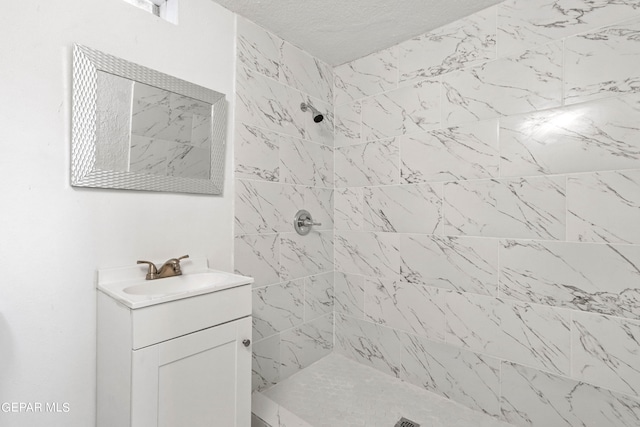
x=138 y=129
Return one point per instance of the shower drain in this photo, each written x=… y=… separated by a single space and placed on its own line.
x=406 y=423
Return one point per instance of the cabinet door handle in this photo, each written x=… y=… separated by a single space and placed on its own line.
x=246 y=343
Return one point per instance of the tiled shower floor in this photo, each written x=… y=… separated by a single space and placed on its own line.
x=338 y=392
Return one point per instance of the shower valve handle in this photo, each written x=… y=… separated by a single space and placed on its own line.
x=309 y=223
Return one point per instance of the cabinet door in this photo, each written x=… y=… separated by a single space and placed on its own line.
x=199 y=380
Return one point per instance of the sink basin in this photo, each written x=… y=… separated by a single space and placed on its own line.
x=128 y=286
x=177 y=284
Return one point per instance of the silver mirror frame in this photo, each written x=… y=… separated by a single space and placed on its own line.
x=86 y=64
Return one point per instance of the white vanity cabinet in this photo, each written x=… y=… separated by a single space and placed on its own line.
x=180 y=363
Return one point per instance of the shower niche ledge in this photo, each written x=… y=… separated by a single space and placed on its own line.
x=176 y=354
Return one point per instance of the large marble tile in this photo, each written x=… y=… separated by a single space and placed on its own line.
x=306 y=344
x=516 y=84
x=403 y=208
x=366 y=76
x=534 y=335
x=406 y=306
x=457 y=263
x=348 y=203
x=277 y=308
x=146 y=156
x=535 y=398
x=257 y=154
x=463 y=43
x=349 y=294
x=302 y=256
x=373 y=163
x=599 y=135
x=305 y=163
x=367 y=254
x=258 y=49
x=459 y=153
x=533 y=22
x=318 y=296
x=186 y=161
x=268 y=104
x=258 y=256
x=257 y=207
x=603 y=62
x=265 y=367
x=323 y=132
x=526 y=208
x=318 y=201
x=463 y=376
x=603 y=207
x=606 y=352
x=373 y=345
x=588 y=277
x=348 y=124
x=306 y=73
x=402 y=111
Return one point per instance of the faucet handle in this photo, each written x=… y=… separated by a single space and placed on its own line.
x=182 y=257
x=152 y=273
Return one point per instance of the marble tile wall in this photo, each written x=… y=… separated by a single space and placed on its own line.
x=283 y=163
x=487 y=211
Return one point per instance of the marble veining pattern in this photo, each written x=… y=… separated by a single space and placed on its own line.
x=349 y=294
x=535 y=22
x=258 y=207
x=306 y=73
x=405 y=306
x=463 y=376
x=606 y=352
x=533 y=156
x=617 y=196
x=348 y=208
x=302 y=256
x=402 y=111
x=536 y=398
x=257 y=49
x=463 y=152
x=277 y=308
x=526 y=208
x=305 y=163
x=258 y=256
x=598 y=135
x=283 y=163
x=368 y=343
x=367 y=254
x=257 y=154
x=533 y=335
x=403 y=208
x=265 y=103
x=366 y=76
x=462 y=43
x=373 y=163
x=306 y=344
x=588 y=277
x=348 y=124
x=529 y=81
x=455 y=263
x=318 y=296
x=603 y=62
x=265 y=369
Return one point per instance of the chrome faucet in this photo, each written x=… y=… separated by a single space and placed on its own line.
x=169 y=269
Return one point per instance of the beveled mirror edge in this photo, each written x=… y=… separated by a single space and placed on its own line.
x=86 y=64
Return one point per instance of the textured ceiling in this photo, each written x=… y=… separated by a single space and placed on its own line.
x=339 y=31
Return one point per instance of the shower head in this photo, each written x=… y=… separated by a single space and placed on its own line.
x=317 y=116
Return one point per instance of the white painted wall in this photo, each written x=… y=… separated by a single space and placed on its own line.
x=54 y=237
